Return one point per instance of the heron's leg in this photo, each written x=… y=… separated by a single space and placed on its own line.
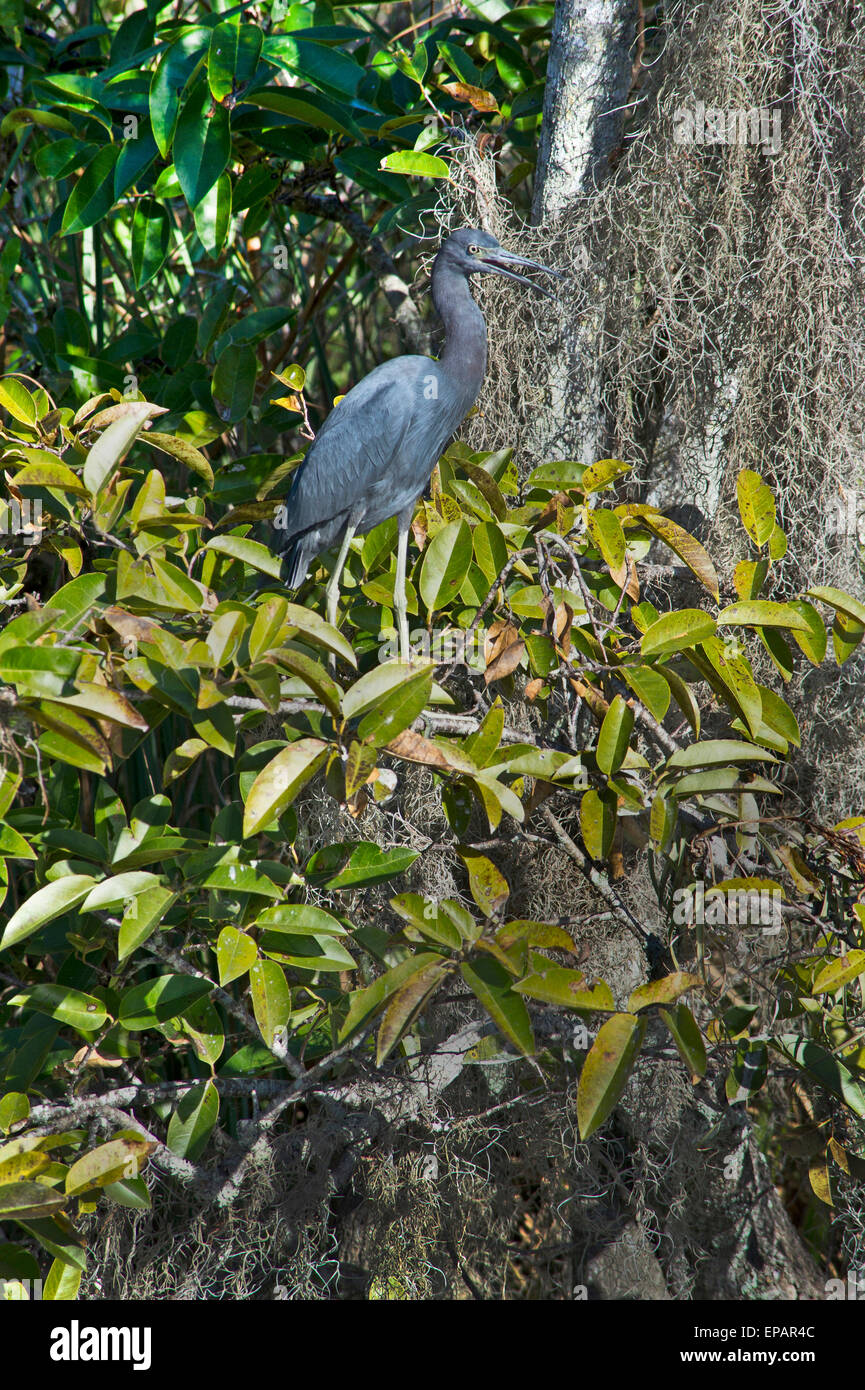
x=332 y=590
x=399 y=600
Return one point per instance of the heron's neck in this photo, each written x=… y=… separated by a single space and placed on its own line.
x=465 y=350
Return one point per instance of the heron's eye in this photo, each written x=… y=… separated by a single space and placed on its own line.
x=474 y=250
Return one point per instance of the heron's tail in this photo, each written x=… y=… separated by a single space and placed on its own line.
x=294 y=563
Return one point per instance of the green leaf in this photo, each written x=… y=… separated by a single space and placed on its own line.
x=758 y=612
x=225 y=635
x=614 y=736
x=840 y=601
x=235 y=954
x=685 y=546
x=487 y=885
x=309 y=107
x=566 y=988
x=14 y=1110
x=249 y=553
x=193 y=1120
x=119 y=1158
x=23 y=116
x=397 y=709
x=446 y=564
x=10 y=781
x=53 y=474
x=651 y=687
x=299 y=919
x=104 y=703
x=365 y=1003
x=113 y=445
x=606 y=1070
x=664 y=991
x=233 y=386
x=718 y=752
x=482 y=744
x=157 y=1001
x=827 y=1070
x=312 y=673
x=279 y=782
x=203 y=1026
x=169 y=80
x=17 y=1263
x=779 y=717
x=351 y=865
x=129 y=1192
x=232 y=57
x=141 y=918
x=44 y=905
x=674 y=631
x=17 y=400
x=406 y=1004
x=151 y=238
x=271 y=999
x=134 y=161
x=425 y=166
x=180 y=449
x=847 y=633
x=491 y=550
x=316 y=63
x=370 y=690
x=59 y=1238
x=730 y=676
x=493 y=987
x=38 y=671
x=92 y=196
x=316 y=630
x=607 y=535
x=598 y=822
x=62 y=1283
x=687 y=1037
x=426 y=917
x=72 y=739
x=266 y=628
x=202 y=144
x=544 y=934
x=67 y=1005
x=213 y=216
x=28 y=1199
x=839 y=972
x=756 y=506
x=116 y=891
x=311 y=952
x=13 y=845
x=182 y=758
x=496 y=798
x=599 y=475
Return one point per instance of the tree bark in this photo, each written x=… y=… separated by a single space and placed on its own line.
x=588 y=78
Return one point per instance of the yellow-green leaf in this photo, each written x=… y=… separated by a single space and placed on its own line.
x=606 y=1070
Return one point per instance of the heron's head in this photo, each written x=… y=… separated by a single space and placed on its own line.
x=473 y=252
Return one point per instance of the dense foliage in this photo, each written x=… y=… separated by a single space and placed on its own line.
x=170 y=936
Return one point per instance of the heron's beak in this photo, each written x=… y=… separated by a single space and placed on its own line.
x=500 y=261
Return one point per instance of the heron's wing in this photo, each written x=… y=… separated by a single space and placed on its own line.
x=364 y=444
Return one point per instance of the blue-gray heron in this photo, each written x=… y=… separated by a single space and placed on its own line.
x=373 y=456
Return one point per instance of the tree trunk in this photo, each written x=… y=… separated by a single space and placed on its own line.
x=588 y=78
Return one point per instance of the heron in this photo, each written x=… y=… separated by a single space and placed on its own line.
x=373 y=456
